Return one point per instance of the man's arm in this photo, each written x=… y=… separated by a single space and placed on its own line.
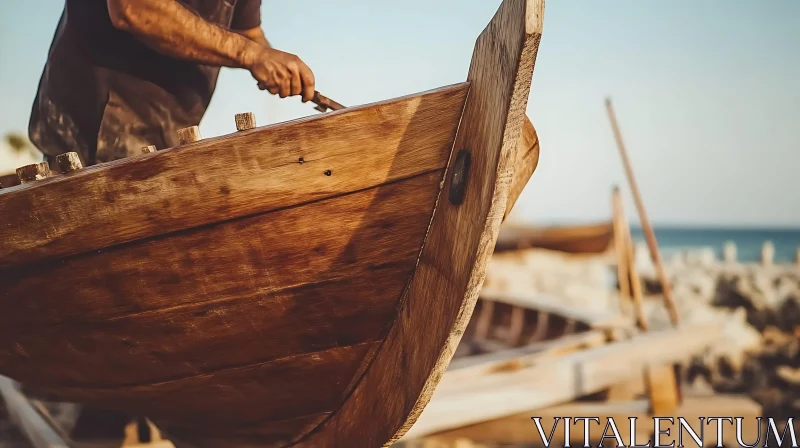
x=171 y=29
x=256 y=35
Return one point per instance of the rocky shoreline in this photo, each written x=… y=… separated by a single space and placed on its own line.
x=759 y=305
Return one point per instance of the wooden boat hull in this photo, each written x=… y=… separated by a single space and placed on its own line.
x=300 y=284
x=582 y=239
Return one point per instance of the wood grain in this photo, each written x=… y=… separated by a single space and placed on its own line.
x=223 y=178
x=440 y=299
x=234 y=400
x=301 y=284
x=189 y=135
x=33 y=172
x=525 y=164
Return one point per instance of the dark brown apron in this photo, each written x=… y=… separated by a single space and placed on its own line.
x=136 y=113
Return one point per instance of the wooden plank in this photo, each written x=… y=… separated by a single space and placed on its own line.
x=25 y=416
x=229 y=305
x=662 y=389
x=243 y=400
x=442 y=294
x=222 y=178
x=268 y=435
x=520 y=429
x=459 y=402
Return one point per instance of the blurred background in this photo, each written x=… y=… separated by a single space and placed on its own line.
x=707 y=99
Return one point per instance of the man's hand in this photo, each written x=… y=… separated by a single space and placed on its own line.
x=169 y=28
x=282 y=74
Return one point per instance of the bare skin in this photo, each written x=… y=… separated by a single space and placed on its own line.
x=168 y=27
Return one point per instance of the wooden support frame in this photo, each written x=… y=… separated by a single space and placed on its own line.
x=489 y=391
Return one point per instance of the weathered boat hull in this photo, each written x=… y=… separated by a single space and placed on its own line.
x=299 y=284
x=581 y=239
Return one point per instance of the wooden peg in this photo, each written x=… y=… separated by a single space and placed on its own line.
x=189 y=135
x=245 y=121
x=68 y=162
x=767 y=253
x=148 y=149
x=36 y=171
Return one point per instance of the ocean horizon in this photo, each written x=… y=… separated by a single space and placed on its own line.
x=748 y=240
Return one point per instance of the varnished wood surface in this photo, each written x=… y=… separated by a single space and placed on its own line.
x=252 y=328
x=249 y=172
x=301 y=283
x=9 y=180
x=439 y=302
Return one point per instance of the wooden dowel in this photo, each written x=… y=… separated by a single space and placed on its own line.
x=245 y=121
x=68 y=162
x=647 y=228
x=189 y=135
x=36 y=171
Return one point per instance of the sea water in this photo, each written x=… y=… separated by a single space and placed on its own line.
x=749 y=241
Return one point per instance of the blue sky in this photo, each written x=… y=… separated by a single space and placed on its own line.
x=707 y=93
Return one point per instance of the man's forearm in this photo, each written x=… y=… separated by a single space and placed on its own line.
x=169 y=28
x=256 y=35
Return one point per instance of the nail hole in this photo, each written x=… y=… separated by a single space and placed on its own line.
x=300 y=160
x=327 y=172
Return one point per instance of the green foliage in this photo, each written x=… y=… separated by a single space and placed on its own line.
x=18 y=142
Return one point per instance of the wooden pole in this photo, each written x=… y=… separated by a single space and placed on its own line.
x=633 y=273
x=620 y=243
x=647 y=228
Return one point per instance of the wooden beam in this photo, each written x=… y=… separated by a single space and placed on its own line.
x=461 y=401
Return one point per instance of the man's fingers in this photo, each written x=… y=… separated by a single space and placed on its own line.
x=307 y=78
x=296 y=84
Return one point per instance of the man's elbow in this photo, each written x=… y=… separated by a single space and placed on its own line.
x=123 y=14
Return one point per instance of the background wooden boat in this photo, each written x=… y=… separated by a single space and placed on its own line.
x=580 y=239
x=299 y=284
